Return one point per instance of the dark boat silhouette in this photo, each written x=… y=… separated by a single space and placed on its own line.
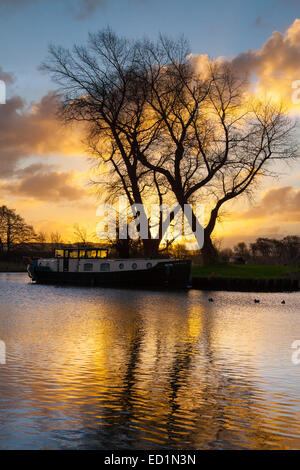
x=92 y=267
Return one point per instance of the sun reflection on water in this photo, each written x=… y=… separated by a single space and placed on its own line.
x=105 y=368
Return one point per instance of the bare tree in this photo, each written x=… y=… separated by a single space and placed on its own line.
x=241 y=251
x=166 y=131
x=273 y=251
x=83 y=237
x=216 y=143
x=14 y=231
x=41 y=237
x=103 y=85
x=56 y=239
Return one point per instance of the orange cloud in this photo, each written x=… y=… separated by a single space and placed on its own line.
x=25 y=132
x=276 y=215
x=36 y=131
x=280 y=202
x=42 y=183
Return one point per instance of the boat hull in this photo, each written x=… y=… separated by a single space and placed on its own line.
x=175 y=274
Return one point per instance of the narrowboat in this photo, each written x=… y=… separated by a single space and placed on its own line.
x=92 y=267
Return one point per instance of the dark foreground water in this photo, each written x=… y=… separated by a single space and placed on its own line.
x=111 y=369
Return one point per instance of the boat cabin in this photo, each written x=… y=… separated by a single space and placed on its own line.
x=90 y=253
x=92 y=267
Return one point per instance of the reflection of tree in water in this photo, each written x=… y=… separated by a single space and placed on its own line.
x=141 y=377
x=197 y=399
x=118 y=432
x=178 y=378
x=227 y=413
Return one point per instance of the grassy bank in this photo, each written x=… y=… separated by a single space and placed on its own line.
x=12 y=267
x=246 y=271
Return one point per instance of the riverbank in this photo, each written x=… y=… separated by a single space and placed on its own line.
x=246 y=278
x=12 y=267
x=244 y=271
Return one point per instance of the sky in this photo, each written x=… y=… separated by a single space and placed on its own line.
x=44 y=171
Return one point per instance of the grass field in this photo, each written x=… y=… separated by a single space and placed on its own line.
x=11 y=267
x=246 y=271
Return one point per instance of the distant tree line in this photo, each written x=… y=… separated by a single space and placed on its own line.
x=18 y=239
x=265 y=251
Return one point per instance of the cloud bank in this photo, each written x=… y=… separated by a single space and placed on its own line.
x=33 y=131
x=273 y=68
x=276 y=64
x=281 y=202
x=42 y=183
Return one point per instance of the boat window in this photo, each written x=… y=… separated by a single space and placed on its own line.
x=74 y=254
x=59 y=253
x=92 y=253
x=102 y=253
x=121 y=265
x=149 y=265
x=88 y=267
x=104 y=267
x=134 y=265
x=81 y=253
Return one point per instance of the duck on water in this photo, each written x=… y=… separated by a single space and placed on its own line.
x=92 y=267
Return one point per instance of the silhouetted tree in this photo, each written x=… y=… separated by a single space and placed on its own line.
x=241 y=250
x=14 y=231
x=103 y=86
x=83 y=238
x=225 y=254
x=285 y=251
x=291 y=249
x=56 y=239
x=167 y=130
x=41 y=240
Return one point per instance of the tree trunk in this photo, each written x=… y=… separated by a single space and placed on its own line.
x=123 y=248
x=151 y=247
x=208 y=252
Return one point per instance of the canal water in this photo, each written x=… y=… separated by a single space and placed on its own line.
x=129 y=369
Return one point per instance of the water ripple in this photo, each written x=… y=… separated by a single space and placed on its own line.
x=108 y=369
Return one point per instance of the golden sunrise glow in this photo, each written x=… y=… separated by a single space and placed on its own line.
x=59 y=158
